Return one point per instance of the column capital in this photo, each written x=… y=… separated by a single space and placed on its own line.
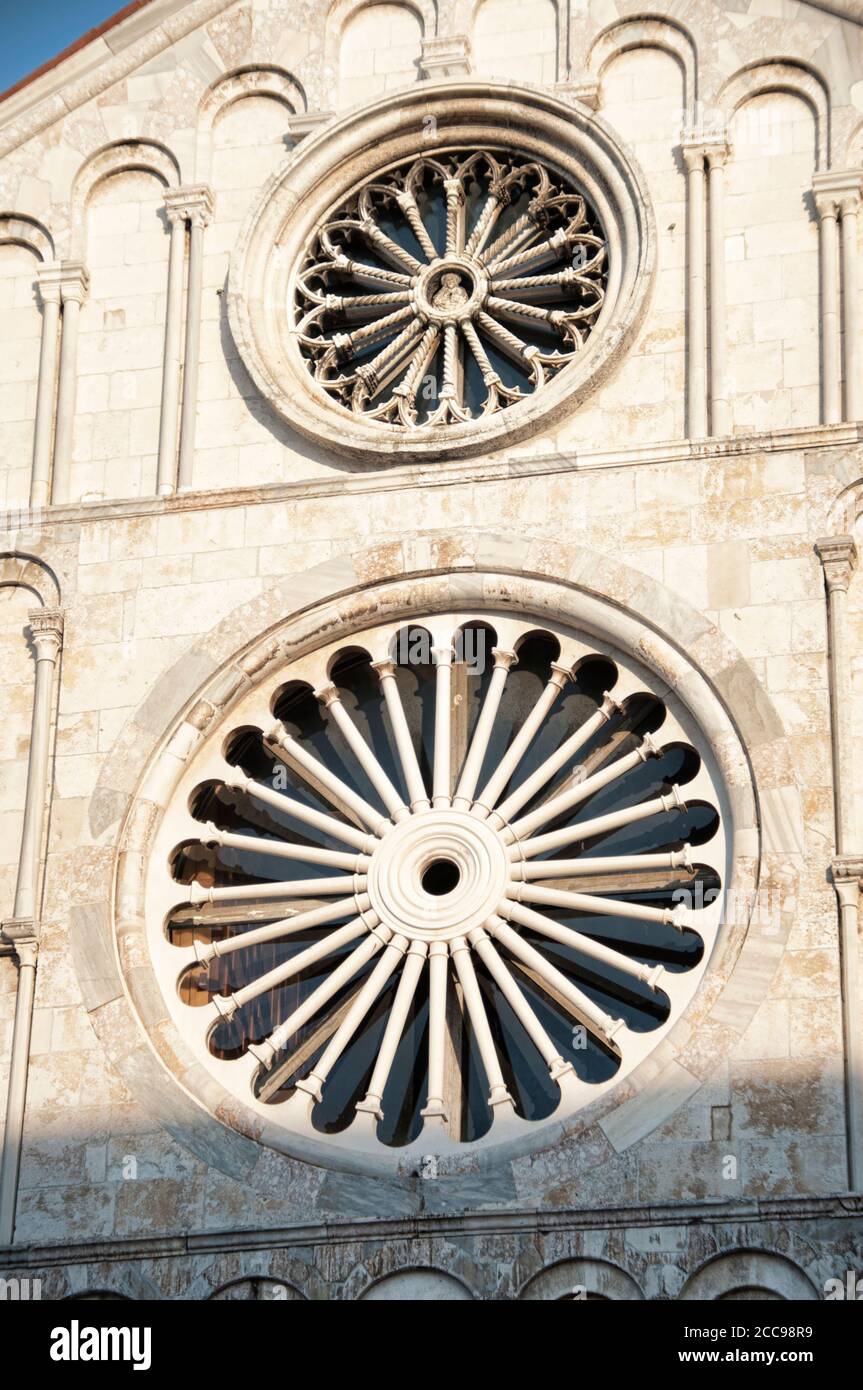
x=193 y=203
x=448 y=55
x=23 y=934
x=74 y=281
x=46 y=628
x=834 y=190
x=847 y=872
x=700 y=144
x=49 y=278
x=838 y=556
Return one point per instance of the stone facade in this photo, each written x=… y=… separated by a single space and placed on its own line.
x=701 y=490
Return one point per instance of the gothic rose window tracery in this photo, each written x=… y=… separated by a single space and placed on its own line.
x=449 y=287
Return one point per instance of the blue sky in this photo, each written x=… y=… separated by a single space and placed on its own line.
x=31 y=33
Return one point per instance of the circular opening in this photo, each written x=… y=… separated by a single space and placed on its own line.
x=441 y=877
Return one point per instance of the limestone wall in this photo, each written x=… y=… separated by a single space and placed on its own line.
x=723 y=526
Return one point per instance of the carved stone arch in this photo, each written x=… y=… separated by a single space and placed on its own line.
x=341 y=12
x=17 y=229
x=252 y=80
x=846 y=510
x=29 y=572
x=467 y=11
x=648 y=31
x=419 y=1283
x=791 y=77
x=742 y=1271
x=273 y=82
x=599 y=1279
x=144 y=155
x=251 y=1274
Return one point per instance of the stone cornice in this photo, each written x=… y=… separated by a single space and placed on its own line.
x=92 y=69
x=841 y=1206
x=446 y=473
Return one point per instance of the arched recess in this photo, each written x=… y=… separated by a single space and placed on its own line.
x=122 y=236
x=749 y=1273
x=417 y=1286
x=781 y=75
x=577 y=1279
x=259 y=1289
x=18 y=570
x=775 y=132
x=271 y=85
x=17 y=229
x=25 y=584
x=24 y=245
x=649 y=31
x=374 y=46
x=145 y=156
x=514 y=40
x=646 y=76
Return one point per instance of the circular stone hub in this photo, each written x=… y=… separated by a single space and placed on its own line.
x=450 y=289
x=427 y=852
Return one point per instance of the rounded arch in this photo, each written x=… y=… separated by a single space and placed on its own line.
x=737 y=1271
x=29 y=572
x=597 y=1278
x=845 y=511
x=274 y=82
x=139 y=155
x=17 y=229
x=648 y=31
x=421 y=1283
x=341 y=12
x=258 y=1289
x=792 y=78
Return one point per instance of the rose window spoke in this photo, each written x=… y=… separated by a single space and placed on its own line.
x=449 y=288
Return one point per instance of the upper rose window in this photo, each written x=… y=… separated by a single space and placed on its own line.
x=443 y=273
x=450 y=287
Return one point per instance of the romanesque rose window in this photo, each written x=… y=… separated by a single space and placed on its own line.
x=435 y=884
x=450 y=287
x=446 y=273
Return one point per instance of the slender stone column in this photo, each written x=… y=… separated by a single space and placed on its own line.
x=696 y=255
x=838 y=556
x=22 y=934
x=850 y=307
x=49 y=293
x=828 y=230
x=847 y=872
x=166 y=477
x=74 y=282
x=198 y=205
x=46 y=628
x=720 y=419
x=837 y=195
